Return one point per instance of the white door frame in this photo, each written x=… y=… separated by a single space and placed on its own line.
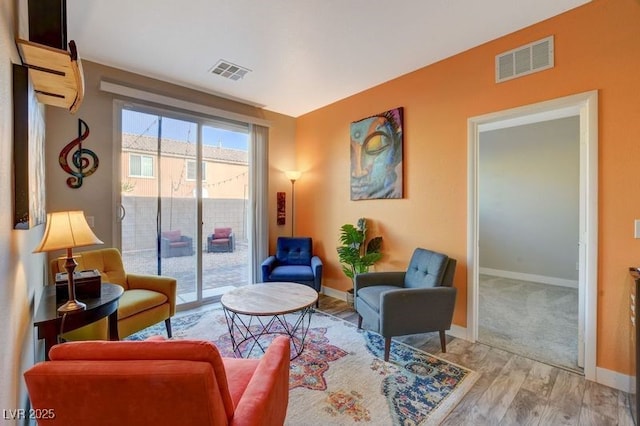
x=584 y=105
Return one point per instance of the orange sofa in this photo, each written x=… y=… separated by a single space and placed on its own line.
x=181 y=382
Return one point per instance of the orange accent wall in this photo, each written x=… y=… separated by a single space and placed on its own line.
x=597 y=47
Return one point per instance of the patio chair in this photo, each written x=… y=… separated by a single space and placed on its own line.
x=173 y=243
x=222 y=240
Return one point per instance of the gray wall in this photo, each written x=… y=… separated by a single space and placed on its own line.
x=529 y=198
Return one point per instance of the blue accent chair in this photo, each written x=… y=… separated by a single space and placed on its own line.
x=294 y=262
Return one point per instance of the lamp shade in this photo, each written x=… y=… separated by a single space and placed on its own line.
x=293 y=175
x=66 y=230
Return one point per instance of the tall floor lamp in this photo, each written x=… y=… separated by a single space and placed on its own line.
x=293 y=176
x=66 y=230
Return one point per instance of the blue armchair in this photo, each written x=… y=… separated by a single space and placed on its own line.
x=294 y=262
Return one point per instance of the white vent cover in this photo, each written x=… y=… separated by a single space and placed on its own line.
x=228 y=70
x=533 y=57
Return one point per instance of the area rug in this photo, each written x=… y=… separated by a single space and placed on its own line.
x=340 y=377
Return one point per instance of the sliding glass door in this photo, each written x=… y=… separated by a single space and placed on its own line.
x=177 y=172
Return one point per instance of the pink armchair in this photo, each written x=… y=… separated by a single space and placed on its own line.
x=160 y=383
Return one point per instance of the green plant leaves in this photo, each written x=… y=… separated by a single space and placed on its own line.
x=355 y=256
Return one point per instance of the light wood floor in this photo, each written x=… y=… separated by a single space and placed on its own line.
x=513 y=390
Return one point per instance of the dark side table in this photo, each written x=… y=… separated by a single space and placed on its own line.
x=49 y=322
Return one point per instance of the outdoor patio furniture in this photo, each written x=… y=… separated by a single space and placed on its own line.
x=222 y=240
x=173 y=243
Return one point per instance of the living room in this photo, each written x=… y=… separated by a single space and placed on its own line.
x=597 y=48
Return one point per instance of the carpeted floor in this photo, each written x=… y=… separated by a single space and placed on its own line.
x=340 y=378
x=534 y=320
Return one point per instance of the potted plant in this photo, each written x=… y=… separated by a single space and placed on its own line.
x=356 y=254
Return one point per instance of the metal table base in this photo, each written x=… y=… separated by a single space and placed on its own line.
x=247 y=331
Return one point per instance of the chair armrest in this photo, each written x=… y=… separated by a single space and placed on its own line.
x=186 y=239
x=369 y=279
x=267 y=267
x=316 y=266
x=264 y=401
x=232 y=241
x=164 y=243
x=416 y=310
x=165 y=285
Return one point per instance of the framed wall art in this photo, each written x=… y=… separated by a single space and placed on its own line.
x=28 y=153
x=281 y=206
x=376 y=156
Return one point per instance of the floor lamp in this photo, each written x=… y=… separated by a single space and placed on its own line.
x=293 y=176
x=66 y=230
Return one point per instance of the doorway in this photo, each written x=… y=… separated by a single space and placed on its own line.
x=583 y=106
x=183 y=200
x=528 y=191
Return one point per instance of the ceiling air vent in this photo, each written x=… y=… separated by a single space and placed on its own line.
x=228 y=70
x=533 y=57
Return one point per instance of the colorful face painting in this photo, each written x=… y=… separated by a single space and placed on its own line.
x=376 y=156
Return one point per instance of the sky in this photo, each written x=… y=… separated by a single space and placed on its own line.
x=139 y=123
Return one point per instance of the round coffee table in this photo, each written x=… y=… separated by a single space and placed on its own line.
x=257 y=311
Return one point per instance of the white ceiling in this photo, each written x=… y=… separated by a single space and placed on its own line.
x=303 y=54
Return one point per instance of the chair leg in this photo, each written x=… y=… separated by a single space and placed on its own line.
x=443 y=341
x=167 y=324
x=387 y=348
x=359 y=321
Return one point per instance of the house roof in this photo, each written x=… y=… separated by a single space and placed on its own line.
x=148 y=144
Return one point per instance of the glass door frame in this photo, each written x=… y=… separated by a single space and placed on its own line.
x=201 y=121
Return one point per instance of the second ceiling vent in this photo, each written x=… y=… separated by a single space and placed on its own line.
x=527 y=59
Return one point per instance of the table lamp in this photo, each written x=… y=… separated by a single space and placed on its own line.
x=66 y=230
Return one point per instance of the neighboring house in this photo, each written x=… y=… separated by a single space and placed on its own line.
x=225 y=171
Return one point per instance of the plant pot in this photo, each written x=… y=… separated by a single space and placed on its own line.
x=350 y=298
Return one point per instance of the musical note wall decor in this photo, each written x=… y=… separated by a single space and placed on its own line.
x=83 y=160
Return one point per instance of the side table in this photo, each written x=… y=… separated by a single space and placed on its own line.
x=49 y=322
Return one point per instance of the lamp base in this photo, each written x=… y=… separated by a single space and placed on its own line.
x=72 y=305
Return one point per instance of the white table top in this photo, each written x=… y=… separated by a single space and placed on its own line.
x=272 y=298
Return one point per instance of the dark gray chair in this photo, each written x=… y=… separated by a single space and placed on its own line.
x=419 y=300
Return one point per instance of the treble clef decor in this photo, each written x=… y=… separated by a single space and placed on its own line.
x=83 y=160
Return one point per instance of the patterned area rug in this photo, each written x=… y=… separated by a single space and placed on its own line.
x=340 y=378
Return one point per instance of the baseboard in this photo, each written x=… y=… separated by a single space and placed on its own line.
x=615 y=380
x=561 y=282
x=332 y=292
x=458 y=331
